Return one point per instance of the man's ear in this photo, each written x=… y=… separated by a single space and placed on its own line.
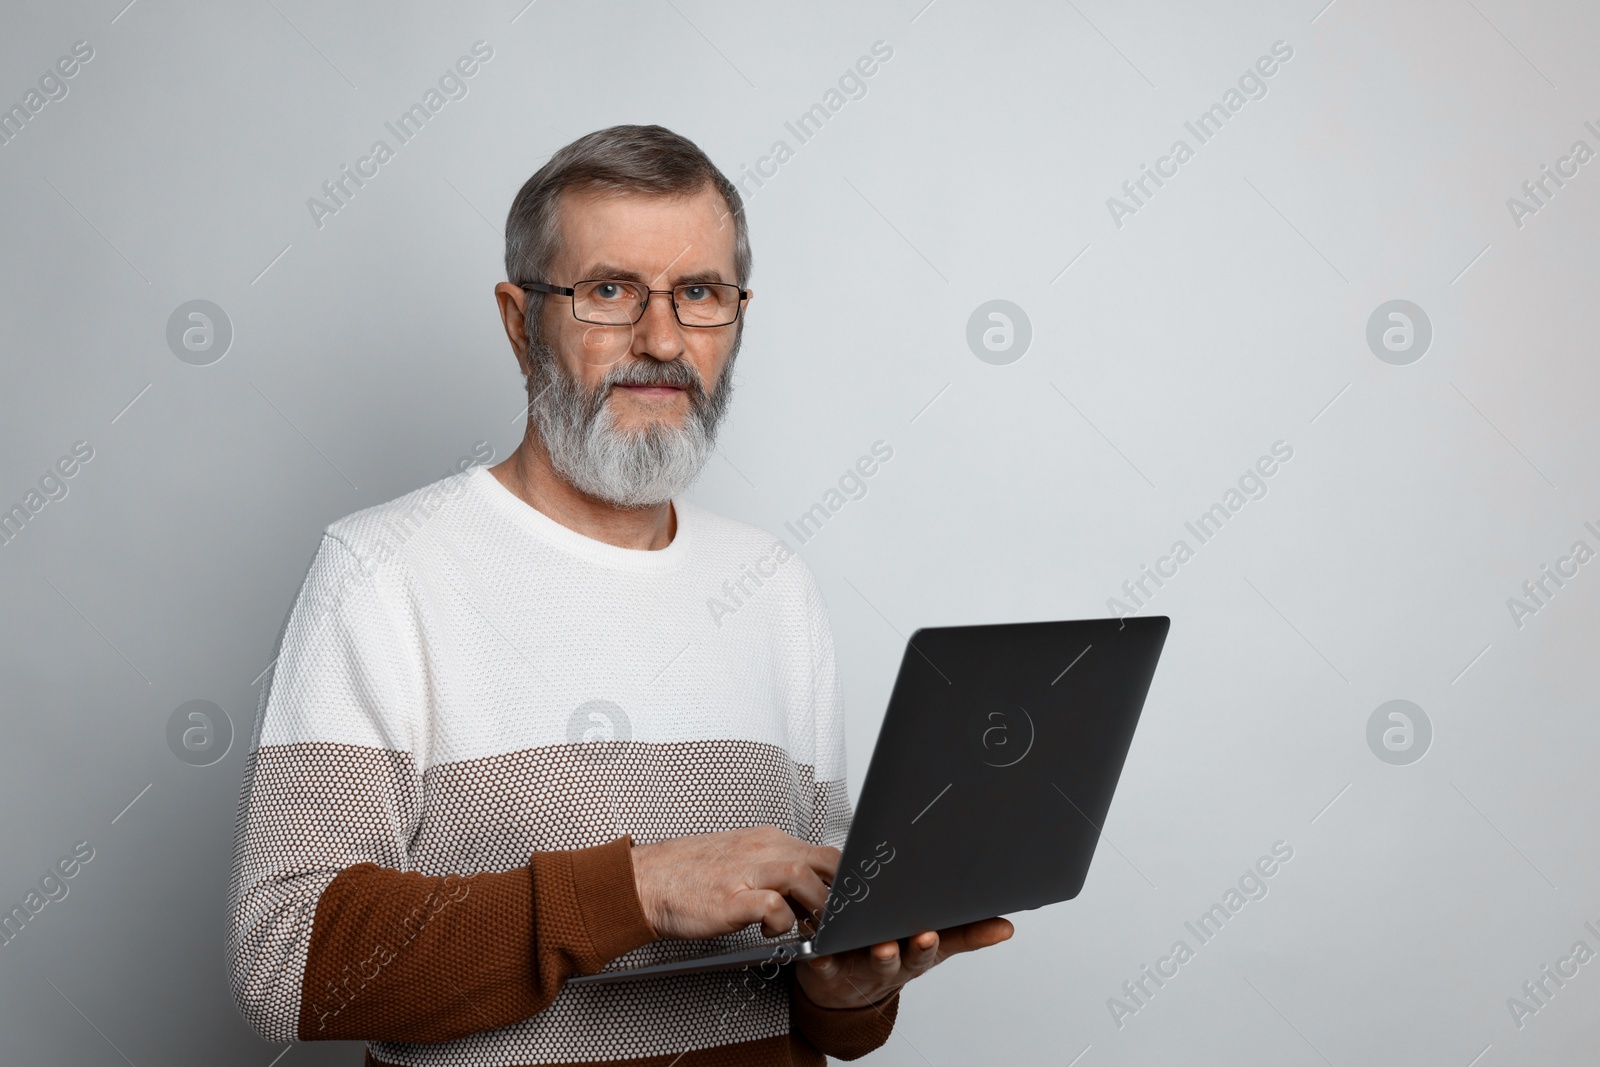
x=514 y=316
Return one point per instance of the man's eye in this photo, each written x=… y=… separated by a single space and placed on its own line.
x=695 y=292
x=608 y=291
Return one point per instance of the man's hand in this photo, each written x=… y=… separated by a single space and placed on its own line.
x=865 y=976
x=709 y=884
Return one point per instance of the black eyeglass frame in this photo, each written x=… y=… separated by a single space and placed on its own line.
x=572 y=294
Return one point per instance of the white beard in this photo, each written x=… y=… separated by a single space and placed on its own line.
x=627 y=469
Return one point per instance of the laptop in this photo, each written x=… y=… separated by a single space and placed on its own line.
x=988 y=786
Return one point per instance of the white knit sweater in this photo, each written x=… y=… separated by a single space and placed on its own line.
x=464 y=681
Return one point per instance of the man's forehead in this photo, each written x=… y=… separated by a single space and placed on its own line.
x=645 y=232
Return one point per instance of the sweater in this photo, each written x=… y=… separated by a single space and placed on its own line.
x=475 y=712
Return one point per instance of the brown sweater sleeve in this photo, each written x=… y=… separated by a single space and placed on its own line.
x=843 y=1033
x=397 y=956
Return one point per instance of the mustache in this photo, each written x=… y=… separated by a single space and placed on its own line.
x=679 y=373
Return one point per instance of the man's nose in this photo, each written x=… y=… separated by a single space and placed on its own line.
x=658 y=335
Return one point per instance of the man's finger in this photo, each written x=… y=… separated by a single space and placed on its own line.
x=793 y=879
x=922 y=952
x=975 y=935
x=823 y=860
x=825 y=966
x=885 y=957
x=764 y=906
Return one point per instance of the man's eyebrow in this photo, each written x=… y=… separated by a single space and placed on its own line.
x=709 y=275
x=606 y=271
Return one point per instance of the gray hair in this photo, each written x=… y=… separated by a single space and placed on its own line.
x=644 y=159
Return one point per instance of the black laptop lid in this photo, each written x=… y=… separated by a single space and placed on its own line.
x=1008 y=741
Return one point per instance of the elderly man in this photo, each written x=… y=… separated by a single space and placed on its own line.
x=504 y=743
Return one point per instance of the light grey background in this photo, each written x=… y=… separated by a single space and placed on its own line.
x=1229 y=313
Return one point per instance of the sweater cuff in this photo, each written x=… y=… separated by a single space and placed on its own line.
x=602 y=877
x=843 y=1033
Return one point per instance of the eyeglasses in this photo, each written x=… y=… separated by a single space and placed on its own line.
x=611 y=302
